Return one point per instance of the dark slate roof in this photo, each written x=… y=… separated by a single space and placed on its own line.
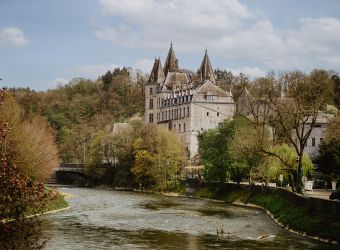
x=171 y=62
x=156 y=75
x=206 y=70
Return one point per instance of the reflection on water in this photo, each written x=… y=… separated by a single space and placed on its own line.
x=103 y=219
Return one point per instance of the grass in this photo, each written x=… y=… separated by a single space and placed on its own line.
x=285 y=211
x=57 y=203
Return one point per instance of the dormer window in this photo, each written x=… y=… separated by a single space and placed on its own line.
x=210 y=98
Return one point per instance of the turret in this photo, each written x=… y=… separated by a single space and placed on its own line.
x=156 y=75
x=206 y=70
x=171 y=63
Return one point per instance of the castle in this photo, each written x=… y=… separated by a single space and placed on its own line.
x=186 y=106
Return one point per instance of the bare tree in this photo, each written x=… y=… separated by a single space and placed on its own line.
x=292 y=115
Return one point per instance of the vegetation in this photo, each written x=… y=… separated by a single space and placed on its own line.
x=143 y=154
x=270 y=140
x=287 y=211
x=213 y=148
x=20 y=195
x=81 y=108
x=329 y=158
x=30 y=142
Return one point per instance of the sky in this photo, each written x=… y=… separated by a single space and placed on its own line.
x=44 y=43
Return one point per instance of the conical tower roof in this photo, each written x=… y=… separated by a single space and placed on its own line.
x=206 y=70
x=156 y=75
x=171 y=63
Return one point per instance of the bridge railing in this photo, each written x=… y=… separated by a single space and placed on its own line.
x=72 y=167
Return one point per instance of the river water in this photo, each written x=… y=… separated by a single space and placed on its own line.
x=107 y=219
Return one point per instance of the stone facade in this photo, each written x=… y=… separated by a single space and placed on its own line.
x=318 y=134
x=171 y=100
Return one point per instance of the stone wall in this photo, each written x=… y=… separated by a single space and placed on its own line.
x=313 y=205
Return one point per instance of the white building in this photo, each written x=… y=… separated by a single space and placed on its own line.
x=318 y=134
x=172 y=100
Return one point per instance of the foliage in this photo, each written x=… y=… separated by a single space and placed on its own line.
x=148 y=155
x=160 y=156
x=287 y=164
x=330 y=109
x=333 y=130
x=81 y=108
x=213 y=148
x=287 y=211
x=292 y=117
x=328 y=159
x=246 y=148
x=31 y=142
x=20 y=196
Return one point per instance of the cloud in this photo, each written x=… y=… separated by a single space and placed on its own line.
x=90 y=71
x=144 y=65
x=152 y=23
x=60 y=81
x=12 y=37
x=231 y=30
x=251 y=72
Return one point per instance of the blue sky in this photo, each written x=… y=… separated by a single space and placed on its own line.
x=46 y=42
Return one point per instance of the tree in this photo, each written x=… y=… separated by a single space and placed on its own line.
x=19 y=194
x=160 y=161
x=31 y=142
x=141 y=153
x=336 y=80
x=287 y=164
x=294 y=116
x=328 y=159
x=246 y=148
x=333 y=130
x=214 y=151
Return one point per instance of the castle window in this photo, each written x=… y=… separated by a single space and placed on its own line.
x=166 y=115
x=207 y=113
x=162 y=115
x=210 y=98
x=179 y=127
x=150 y=118
x=180 y=113
x=172 y=114
x=184 y=127
x=151 y=104
x=186 y=98
x=183 y=112
x=321 y=140
x=151 y=91
x=313 y=142
x=188 y=114
x=218 y=113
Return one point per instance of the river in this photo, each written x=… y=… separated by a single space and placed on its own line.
x=107 y=219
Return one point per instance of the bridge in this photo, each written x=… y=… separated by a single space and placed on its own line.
x=70 y=173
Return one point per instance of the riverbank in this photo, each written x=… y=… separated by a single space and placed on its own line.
x=287 y=213
x=56 y=203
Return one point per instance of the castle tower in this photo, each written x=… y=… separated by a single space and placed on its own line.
x=171 y=62
x=152 y=103
x=157 y=74
x=206 y=70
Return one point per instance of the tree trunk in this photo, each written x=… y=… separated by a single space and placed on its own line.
x=291 y=181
